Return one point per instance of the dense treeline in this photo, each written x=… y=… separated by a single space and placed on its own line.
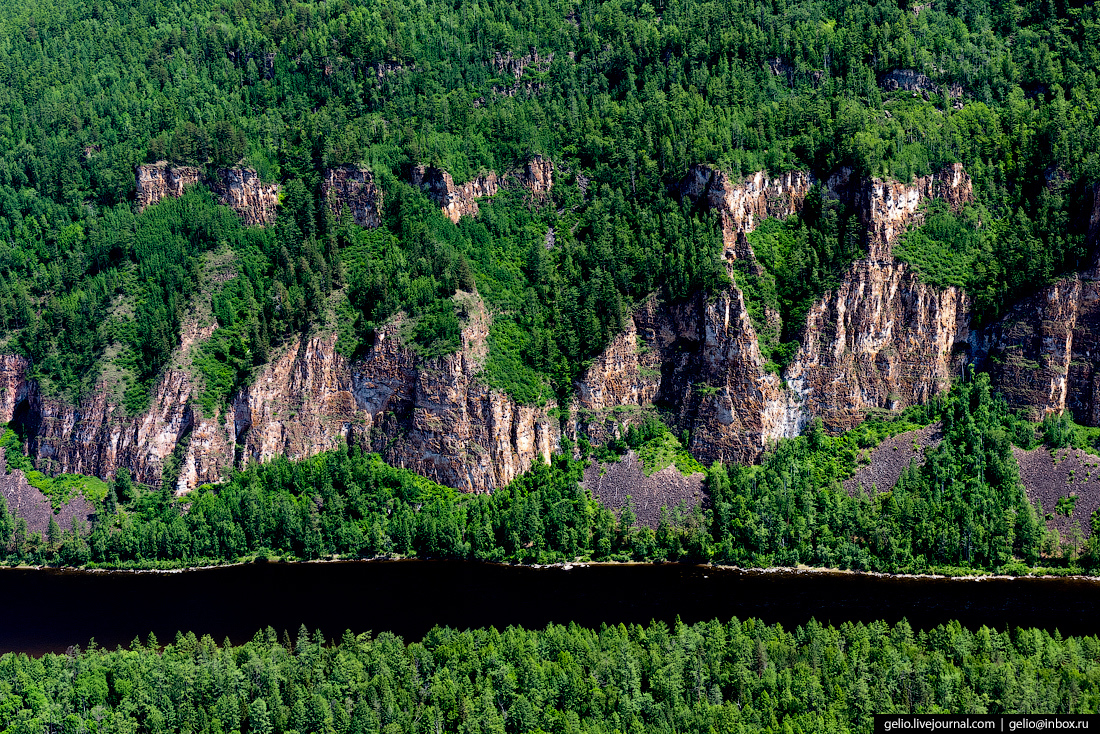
x=742 y=676
x=623 y=96
x=964 y=508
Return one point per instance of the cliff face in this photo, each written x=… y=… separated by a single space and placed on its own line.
x=238 y=188
x=888 y=208
x=882 y=340
x=354 y=188
x=536 y=177
x=432 y=416
x=158 y=180
x=242 y=191
x=1044 y=354
x=741 y=205
x=454 y=200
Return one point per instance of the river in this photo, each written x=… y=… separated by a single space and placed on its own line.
x=43 y=610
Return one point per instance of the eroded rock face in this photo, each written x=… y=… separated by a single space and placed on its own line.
x=242 y=191
x=888 y=208
x=455 y=201
x=238 y=188
x=742 y=205
x=1044 y=354
x=536 y=176
x=433 y=416
x=159 y=180
x=883 y=339
x=699 y=359
x=353 y=187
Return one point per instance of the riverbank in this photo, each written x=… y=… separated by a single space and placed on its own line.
x=952 y=574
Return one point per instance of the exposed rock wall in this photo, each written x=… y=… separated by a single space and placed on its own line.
x=1044 y=354
x=238 y=188
x=159 y=180
x=881 y=340
x=920 y=85
x=433 y=416
x=742 y=205
x=242 y=191
x=354 y=188
x=536 y=176
x=454 y=200
x=888 y=208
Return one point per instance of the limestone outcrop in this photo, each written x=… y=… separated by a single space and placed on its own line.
x=238 y=188
x=353 y=187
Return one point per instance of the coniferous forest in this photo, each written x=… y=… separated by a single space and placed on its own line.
x=624 y=96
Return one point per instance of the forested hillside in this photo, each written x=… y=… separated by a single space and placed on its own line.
x=623 y=96
x=714 y=676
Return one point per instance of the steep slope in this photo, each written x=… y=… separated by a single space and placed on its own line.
x=881 y=340
x=1044 y=354
x=430 y=415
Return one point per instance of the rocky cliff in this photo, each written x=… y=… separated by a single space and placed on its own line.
x=881 y=340
x=354 y=188
x=431 y=415
x=159 y=180
x=454 y=200
x=238 y=188
x=741 y=205
x=242 y=191
x=536 y=177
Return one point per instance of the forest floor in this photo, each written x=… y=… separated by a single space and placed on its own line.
x=1050 y=474
x=893 y=456
x=612 y=483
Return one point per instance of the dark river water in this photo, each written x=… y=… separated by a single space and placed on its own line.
x=49 y=610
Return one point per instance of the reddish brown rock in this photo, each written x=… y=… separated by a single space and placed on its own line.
x=454 y=200
x=432 y=415
x=888 y=208
x=242 y=191
x=354 y=188
x=883 y=340
x=742 y=205
x=238 y=188
x=159 y=180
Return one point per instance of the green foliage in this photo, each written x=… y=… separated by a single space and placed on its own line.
x=634 y=95
x=799 y=259
x=1059 y=431
x=722 y=676
x=994 y=259
x=1065 y=505
x=60 y=489
x=963 y=507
